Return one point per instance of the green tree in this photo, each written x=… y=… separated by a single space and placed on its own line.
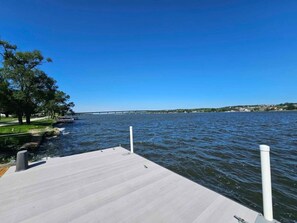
x=25 y=89
x=24 y=79
x=40 y=90
x=290 y=106
x=59 y=104
x=6 y=103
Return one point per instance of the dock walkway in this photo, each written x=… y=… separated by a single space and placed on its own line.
x=111 y=185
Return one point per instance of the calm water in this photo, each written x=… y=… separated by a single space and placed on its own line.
x=217 y=150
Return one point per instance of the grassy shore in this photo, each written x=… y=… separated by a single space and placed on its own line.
x=12 y=137
x=35 y=125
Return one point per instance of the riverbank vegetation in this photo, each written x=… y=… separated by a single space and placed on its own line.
x=13 y=137
x=25 y=89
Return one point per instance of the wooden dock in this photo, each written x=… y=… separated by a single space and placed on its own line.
x=111 y=185
x=3 y=169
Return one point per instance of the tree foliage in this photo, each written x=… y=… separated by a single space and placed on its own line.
x=25 y=89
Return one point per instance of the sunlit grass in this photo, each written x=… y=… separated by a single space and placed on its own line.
x=16 y=128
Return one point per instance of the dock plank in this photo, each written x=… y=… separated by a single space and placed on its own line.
x=110 y=186
x=3 y=170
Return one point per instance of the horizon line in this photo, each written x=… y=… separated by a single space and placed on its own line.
x=170 y=109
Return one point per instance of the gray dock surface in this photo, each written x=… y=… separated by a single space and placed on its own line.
x=110 y=186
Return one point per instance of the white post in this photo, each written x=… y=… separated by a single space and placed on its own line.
x=266 y=182
x=131 y=140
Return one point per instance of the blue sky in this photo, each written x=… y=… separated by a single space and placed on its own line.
x=122 y=55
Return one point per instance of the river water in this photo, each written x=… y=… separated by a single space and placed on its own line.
x=217 y=150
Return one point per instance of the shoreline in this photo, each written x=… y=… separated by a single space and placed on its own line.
x=36 y=138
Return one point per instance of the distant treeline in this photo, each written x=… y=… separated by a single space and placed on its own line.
x=25 y=89
x=237 y=108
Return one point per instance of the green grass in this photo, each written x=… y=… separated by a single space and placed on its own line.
x=4 y=120
x=10 y=141
x=16 y=128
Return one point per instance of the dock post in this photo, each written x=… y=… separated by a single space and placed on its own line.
x=22 y=161
x=131 y=140
x=266 y=182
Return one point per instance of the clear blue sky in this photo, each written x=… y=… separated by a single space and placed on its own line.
x=121 y=55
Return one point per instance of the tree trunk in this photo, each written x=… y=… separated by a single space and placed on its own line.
x=20 y=118
x=28 y=118
x=6 y=114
